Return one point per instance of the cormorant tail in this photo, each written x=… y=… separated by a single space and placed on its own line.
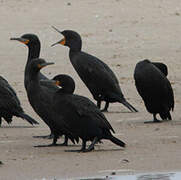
x=28 y=118
x=72 y=139
x=128 y=105
x=165 y=115
x=77 y=139
x=169 y=116
x=117 y=141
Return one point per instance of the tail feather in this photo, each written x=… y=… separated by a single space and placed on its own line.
x=72 y=139
x=165 y=115
x=117 y=141
x=128 y=105
x=169 y=116
x=28 y=118
x=77 y=139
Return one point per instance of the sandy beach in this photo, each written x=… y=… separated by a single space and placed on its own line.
x=120 y=33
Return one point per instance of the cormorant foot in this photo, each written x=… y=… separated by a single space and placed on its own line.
x=49 y=145
x=166 y=119
x=155 y=121
x=104 y=110
x=80 y=150
x=63 y=144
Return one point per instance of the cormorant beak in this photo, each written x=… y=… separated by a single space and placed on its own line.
x=22 y=40
x=42 y=65
x=50 y=82
x=62 y=42
x=56 y=29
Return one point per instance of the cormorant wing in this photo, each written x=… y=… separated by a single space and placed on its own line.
x=8 y=98
x=92 y=70
x=82 y=106
x=169 y=94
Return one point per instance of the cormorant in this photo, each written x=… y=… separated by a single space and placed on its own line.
x=155 y=90
x=33 y=43
x=97 y=76
x=81 y=116
x=10 y=105
x=40 y=99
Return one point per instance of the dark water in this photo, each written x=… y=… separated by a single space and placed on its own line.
x=151 y=176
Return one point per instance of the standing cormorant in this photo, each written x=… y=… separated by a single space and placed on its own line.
x=40 y=98
x=155 y=90
x=10 y=105
x=33 y=43
x=97 y=76
x=81 y=116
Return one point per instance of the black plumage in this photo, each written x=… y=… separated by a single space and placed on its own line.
x=97 y=76
x=40 y=99
x=81 y=116
x=34 y=46
x=162 y=67
x=10 y=105
x=155 y=90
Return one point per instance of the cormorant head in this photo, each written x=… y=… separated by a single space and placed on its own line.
x=71 y=39
x=28 y=39
x=66 y=82
x=38 y=64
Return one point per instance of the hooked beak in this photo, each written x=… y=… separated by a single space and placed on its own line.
x=50 y=82
x=62 y=41
x=22 y=40
x=56 y=29
x=42 y=65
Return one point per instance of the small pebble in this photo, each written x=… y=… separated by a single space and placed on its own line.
x=125 y=160
x=97 y=16
x=177 y=14
x=157 y=129
x=113 y=173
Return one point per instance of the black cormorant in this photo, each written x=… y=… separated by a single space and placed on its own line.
x=10 y=105
x=33 y=43
x=97 y=76
x=81 y=116
x=155 y=90
x=40 y=99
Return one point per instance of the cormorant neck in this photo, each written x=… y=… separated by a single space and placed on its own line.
x=76 y=46
x=75 y=49
x=33 y=75
x=66 y=90
x=33 y=52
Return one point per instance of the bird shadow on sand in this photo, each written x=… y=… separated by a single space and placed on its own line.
x=95 y=150
x=116 y=112
x=12 y=127
x=107 y=150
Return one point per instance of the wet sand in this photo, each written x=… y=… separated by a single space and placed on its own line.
x=120 y=32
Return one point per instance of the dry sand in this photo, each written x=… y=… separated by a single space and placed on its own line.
x=120 y=32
